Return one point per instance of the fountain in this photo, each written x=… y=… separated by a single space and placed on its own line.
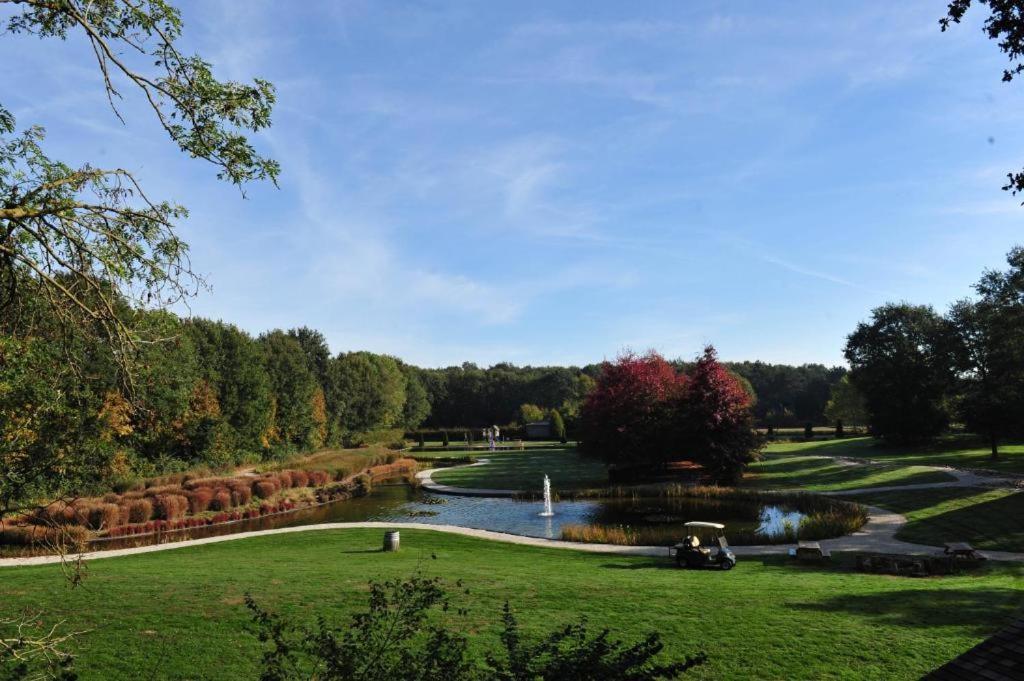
x=547 y=512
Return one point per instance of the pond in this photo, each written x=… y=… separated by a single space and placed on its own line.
x=401 y=503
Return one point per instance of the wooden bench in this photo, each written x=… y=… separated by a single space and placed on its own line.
x=810 y=551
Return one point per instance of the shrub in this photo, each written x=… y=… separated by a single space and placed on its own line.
x=111 y=498
x=66 y=536
x=241 y=495
x=163 y=489
x=171 y=480
x=221 y=499
x=199 y=499
x=128 y=485
x=264 y=489
x=138 y=510
x=364 y=484
x=285 y=477
x=319 y=478
x=300 y=478
x=104 y=516
x=170 y=506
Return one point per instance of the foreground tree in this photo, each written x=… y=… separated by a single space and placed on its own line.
x=1004 y=24
x=900 y=362
x=713 y=420
x=85 y=252
x=407 y=633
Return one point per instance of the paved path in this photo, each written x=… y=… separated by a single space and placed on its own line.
x=877 y=535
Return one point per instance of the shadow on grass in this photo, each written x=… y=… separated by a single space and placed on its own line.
x=980 y=610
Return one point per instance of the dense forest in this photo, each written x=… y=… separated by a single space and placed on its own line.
x=203 y=392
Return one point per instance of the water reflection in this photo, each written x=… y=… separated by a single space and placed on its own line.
x=400 y=503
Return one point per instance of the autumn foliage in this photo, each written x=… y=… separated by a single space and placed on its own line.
x=643 y=413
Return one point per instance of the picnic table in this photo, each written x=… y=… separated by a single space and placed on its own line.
x=810 y=551
x=959 y=549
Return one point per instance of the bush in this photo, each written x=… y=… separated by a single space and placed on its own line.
x=264 y=489
x=403 y=636
x=241 y=495
x=300 y=478
x=199 y=499
x=138 y=510
x=128 y=485
x=221 y=499
x=170 y=506
x=319 y=478
x=162 y=489
x=65 y=536
x=111 y=498
x=105 y=516
x=285 y=478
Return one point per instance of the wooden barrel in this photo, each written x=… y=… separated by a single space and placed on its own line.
x=391 y=540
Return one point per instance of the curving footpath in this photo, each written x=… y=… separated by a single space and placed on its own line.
x=877 y=535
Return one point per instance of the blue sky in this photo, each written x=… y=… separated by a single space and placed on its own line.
x=551 y=182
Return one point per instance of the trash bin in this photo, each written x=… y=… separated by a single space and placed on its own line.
x=391 y=540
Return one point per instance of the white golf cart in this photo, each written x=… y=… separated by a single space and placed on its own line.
x=704 y=546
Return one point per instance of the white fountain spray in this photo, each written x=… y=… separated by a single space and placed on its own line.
x=547 y=512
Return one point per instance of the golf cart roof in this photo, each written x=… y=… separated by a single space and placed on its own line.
x=715 y=526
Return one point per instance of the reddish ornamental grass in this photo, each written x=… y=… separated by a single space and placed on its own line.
x=170 y=506
x=138 y=510
x=221 y=500
x=264 y=489
x=199 y=499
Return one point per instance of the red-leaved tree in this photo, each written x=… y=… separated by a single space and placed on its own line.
x=625 y=417
x=642 y=413
x=715 y=426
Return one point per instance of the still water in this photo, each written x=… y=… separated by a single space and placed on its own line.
x=401 y=503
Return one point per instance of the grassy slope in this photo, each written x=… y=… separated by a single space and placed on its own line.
x=985 y=518
x=955 y=450
x=800 y=464
x=525 y=470
x=334 y=460
x=180 y=615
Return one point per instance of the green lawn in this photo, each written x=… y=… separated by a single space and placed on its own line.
x=985 y=518
x=525 y=470
x=961 y=451
x=179 y=614
x=792 y=465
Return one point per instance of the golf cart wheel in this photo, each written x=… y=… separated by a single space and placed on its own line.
x=728 y=564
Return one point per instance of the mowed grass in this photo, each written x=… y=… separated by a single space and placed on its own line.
x=799 y=465
x=958 y=451
x=525 y=470
x=985 y=518
x=179 y=614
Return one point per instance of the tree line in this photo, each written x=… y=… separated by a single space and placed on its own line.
x=919 y=371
